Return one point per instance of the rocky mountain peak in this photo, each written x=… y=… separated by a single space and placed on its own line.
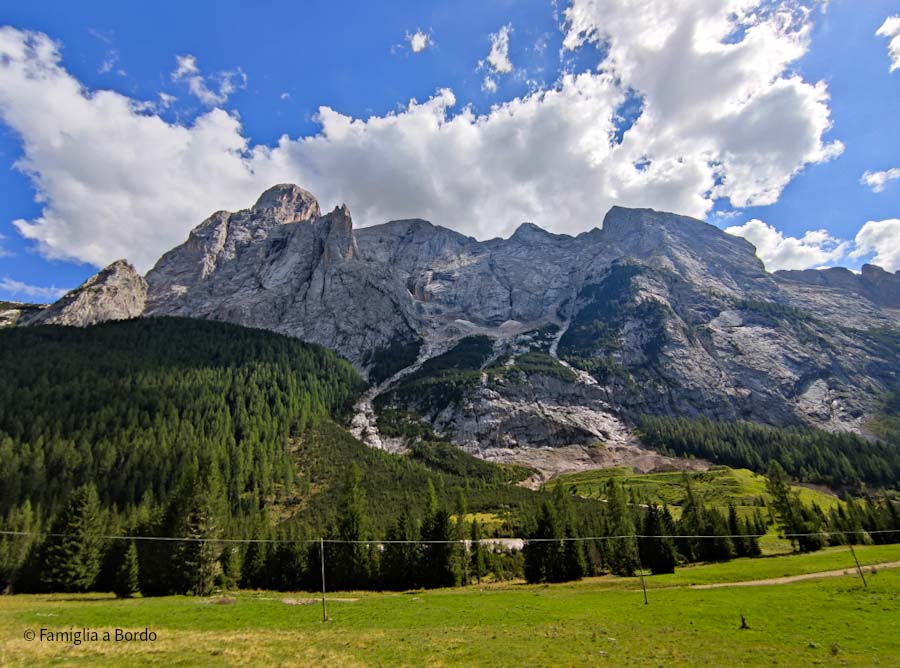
x=340 y=243
x=287 y=203
x=116 y=292
x=531 y=233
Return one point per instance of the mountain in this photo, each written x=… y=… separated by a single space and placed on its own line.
x=13 y=313
x=509 y=347
x=117 y=292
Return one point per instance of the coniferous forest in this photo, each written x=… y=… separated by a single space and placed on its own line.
x=113 y=435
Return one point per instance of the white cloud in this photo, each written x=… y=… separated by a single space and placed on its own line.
x=489 y=84
x=285 y=96
x=498 y=58
x=877 y=180
x=719 y=96
x=814 y=249
x=20 y=289
x=418 y=41
x=891 y=28
x=228 y=81
x=3 y=251
x=109 y=61
x=166 y=100
x=719 y=119
x=881 y=238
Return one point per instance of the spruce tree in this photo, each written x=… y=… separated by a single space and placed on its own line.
x=197 y=561
x=542 y=549
x=574 y=566
x=400 y=561
x=657 y=547
x=622 y=559
x=477 y=551
x=350 y=564
x=437 y=566
x=127 y=582
x=795 y=521
x=72 y=558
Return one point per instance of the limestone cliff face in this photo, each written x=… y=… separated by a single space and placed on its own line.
x=653 y=313
x=281 y=266
x=117 y=292
x=873 y=283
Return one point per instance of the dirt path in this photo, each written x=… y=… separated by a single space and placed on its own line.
x=796 y=578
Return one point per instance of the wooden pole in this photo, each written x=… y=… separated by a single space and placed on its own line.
x=641 y=571
x=858 y=567
x=322 y=557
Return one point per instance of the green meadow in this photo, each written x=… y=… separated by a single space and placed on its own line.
x=718 y=487
x=598 y=621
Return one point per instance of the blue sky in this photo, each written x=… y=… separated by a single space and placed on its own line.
x=765 y=126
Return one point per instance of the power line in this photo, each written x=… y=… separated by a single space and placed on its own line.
x=485 y=541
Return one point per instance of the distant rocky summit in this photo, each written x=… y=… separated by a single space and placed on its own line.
x=873 y=283
x=117 y=292
x=18 y=313
x=652 y=313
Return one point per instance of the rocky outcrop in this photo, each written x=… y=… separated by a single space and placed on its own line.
x=281 y=266
x=18 y=313
x=117 y=292
x=873 y=283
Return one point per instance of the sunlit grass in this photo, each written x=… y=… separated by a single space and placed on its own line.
x=829 y=621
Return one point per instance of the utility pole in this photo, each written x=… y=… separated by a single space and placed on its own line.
x=858 y=567
x=641 y=571
x=322 y=557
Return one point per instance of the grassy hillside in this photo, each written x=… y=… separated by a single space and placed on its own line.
x=718 y=487
x=601 y=620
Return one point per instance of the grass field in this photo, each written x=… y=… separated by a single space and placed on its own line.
x=598 y=621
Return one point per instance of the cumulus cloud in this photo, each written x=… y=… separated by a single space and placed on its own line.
x=498 y=58
x=814 y=249
x=891 y=29
x=489 y=85
x=721 y=116
x=882 y=239
x=26 y=291
x=228 y=81
x=877 y=180
x=418 y=41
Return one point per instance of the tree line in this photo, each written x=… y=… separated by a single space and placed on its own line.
x=839 y=460
x=425 y=547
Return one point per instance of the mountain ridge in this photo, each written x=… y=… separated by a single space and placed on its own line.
x=654 y=313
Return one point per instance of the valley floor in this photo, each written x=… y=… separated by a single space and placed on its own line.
x=828 y=621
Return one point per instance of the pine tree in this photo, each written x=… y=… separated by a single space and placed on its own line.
x=461 y=557
x=542 y=549
x=477 y=551
x=657 y=547
x=198 y=559
x=72 y=558
x=400 y=562
x=127 y=582
x=548 y=557
x=350 y=565
x=574 y=565
x=437 y=561
x=622 y=559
